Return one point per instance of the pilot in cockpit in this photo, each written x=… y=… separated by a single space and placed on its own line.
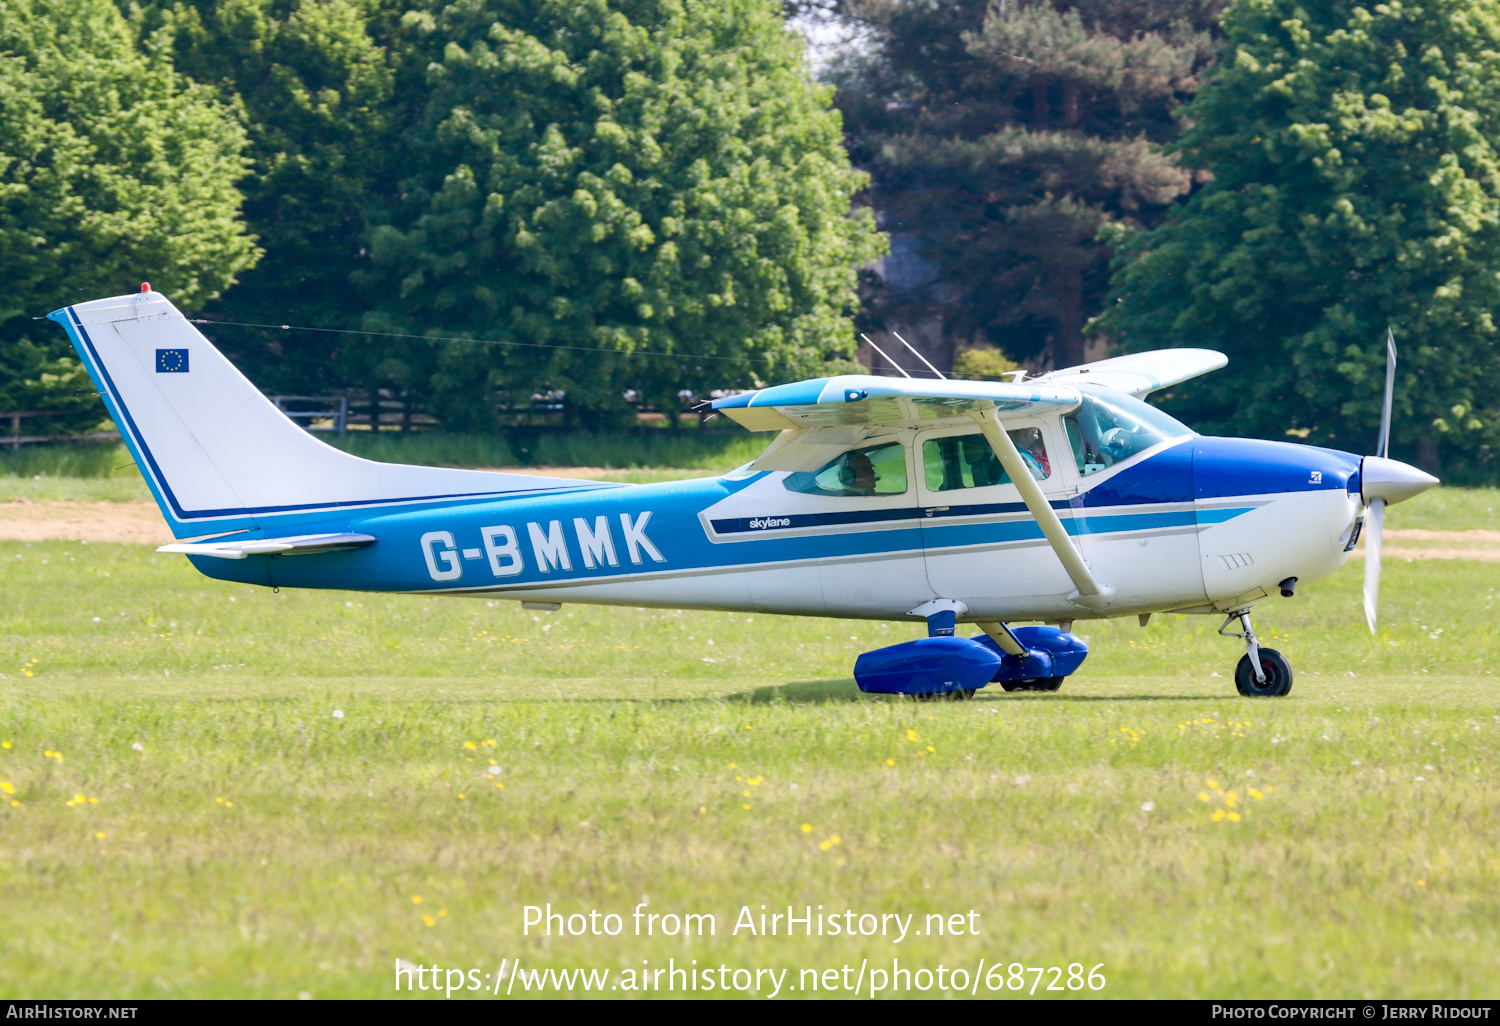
x=858 y=474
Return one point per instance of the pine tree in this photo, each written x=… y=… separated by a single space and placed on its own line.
x=1006 y=137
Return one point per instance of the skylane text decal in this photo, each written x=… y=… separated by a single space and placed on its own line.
x=504 y=549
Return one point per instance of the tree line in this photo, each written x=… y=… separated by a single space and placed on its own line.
x=554 y=189
x=1280 y=180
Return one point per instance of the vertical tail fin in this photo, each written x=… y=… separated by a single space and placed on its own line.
x=216 y=453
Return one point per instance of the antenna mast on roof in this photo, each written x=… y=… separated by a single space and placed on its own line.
x=919 y=356
x=883 y=355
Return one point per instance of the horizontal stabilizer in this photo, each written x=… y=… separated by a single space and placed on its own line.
x=297 y=545
x=1138 y=373
x=854 y=399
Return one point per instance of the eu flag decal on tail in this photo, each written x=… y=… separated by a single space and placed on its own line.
x=171 y=361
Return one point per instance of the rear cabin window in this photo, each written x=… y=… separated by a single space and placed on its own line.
x=968 y=461
x=1110 y=427
x=873 y=470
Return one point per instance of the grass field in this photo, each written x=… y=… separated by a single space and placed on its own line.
x=247 y=841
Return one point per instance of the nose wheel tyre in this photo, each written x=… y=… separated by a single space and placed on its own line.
x=1278 y=673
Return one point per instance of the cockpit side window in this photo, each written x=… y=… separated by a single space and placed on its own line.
x=1111 y=427
x=873 y=470
x=968 y=461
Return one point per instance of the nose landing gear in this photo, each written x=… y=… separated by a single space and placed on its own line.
x=1261 y=672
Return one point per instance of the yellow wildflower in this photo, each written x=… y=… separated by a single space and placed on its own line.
x=911 y=735
x=807 y=828
x=416 y=899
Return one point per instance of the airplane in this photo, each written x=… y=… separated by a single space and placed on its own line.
x=1039 y=502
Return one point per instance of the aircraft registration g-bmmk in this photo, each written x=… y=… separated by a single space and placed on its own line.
x=1061 y=498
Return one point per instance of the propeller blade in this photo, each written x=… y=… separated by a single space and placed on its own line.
x=1390 y=390
x=1374 y=532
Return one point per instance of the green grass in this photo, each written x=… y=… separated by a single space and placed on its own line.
x=1367 y=869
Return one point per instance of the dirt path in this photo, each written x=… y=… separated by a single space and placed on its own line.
x=134 y=523
x=1416 y=543
x=139 y=523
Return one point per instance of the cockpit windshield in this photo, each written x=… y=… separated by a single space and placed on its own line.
x=1111 y=427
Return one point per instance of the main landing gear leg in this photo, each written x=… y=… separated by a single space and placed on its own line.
x=1262 y=672
x=941 y=625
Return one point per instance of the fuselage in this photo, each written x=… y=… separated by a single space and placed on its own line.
x=1192 y=523
x=877 y=496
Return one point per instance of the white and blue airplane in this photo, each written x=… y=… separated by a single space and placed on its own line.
x=1058 y=499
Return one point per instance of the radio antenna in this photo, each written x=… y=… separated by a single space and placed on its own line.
x=919 y=356
x=883 y=355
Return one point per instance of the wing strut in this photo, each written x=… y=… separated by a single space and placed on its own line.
x=1089 y=593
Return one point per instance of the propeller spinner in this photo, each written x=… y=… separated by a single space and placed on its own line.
x=1383 y=481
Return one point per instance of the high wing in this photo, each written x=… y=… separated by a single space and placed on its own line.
x=819 y=419
x=859 y=399
x=1138 y=373
x=296 y=545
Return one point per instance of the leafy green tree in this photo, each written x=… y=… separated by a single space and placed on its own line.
x=316 y=85
x=112 y=170
x=1355 y=185
x=1005 y=136
x=594 y=180
x=983 y=363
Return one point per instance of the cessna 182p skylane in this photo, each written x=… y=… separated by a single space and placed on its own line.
x=1057 y=499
